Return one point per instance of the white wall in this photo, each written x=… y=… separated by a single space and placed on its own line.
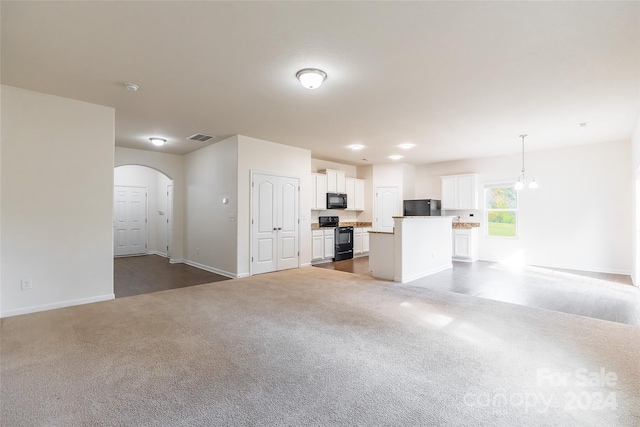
x=318 y=165
x=580 y=217
x=635 y=144
x=156 y=184
x=211 y=228
x=269 y=157
x=366 y=173
x=57 y=201
x=172 y=166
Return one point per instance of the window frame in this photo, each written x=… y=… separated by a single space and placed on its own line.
x=500 y=184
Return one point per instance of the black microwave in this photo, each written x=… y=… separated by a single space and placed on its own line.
x=336 y=201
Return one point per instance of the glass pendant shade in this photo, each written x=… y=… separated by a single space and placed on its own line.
x=519 y=185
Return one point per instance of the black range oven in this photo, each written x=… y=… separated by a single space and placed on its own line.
x=344 y=243
x=343 y=237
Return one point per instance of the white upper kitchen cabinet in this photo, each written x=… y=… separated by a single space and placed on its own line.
x=354 y=188
x=319 y=186
x=460 y=191
x=335 y=181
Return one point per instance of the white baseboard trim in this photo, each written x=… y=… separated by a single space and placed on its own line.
x=162 y=254
x=212 y=269
x=52 y=306
x=423 y=274
x=176 y=260
x=306 y=264
x=588 y=269
x=242 y=275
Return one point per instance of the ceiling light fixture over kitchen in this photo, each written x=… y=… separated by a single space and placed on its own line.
x=158 y=142
x=356 y=146
x=395 y=157
x=406 y=146
x=311 y=78
x=522 y=179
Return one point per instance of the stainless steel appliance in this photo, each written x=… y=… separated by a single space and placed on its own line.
x=336 y=201
x=422 y=207
x=344 y=243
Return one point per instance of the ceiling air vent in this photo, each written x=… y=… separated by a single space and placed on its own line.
x=200 y=137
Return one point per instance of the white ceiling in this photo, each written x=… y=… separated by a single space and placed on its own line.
x=458 y=79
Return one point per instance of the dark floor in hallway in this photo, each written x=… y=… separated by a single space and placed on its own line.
x=152 y=273
x=598 y=295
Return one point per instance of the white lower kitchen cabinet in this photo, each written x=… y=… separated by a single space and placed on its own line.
x=365 y=239
x=466 y=244
x=317 y=245
x=322 y=244
x=361 y=240
x=329 y=243
x=357 y=241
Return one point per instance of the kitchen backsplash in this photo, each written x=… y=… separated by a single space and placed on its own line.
x=345 y=216
x=465 y=216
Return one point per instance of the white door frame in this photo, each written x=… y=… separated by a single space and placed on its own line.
x=146 y=219
x=169 y=219
x=251 y=188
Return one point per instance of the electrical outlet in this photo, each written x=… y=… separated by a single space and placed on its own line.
x=26 y=284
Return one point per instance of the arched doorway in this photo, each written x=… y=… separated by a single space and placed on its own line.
x=143 y=207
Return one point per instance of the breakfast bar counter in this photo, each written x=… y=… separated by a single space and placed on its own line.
x=417 y=247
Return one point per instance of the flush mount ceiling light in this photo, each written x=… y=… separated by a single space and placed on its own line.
x=522 y=179
x=311 y=78
x=132 y=87
x=356 y=146
x=395 y=157
x=406 y=146
x=158 y=142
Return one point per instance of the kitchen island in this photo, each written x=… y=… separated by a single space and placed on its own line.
x=417 y=247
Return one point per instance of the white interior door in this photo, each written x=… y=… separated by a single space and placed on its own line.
x=274 y=223
x=130 y=220
x=264 y=223
x=169 y=219
x=287 y=218
x=386 y=208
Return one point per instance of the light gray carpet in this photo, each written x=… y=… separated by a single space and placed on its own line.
x=314 y=347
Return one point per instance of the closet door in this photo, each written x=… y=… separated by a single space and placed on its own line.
x=274 y=223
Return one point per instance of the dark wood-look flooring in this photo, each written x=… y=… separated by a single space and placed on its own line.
x=138 y=275
x=598 y=295
x=359 y=265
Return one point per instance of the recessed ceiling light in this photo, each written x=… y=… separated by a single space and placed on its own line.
x=158 y=142
x=395 y=157
x=406 y=146
x=131 y=86
x=311 y=78
x=583 y=125
x=356 y=146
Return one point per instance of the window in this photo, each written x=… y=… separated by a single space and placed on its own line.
x=501 y=205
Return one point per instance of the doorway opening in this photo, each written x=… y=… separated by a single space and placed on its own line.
x=142 y=211
x=143 y=229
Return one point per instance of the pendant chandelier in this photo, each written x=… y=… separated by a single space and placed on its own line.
x=523 y=180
